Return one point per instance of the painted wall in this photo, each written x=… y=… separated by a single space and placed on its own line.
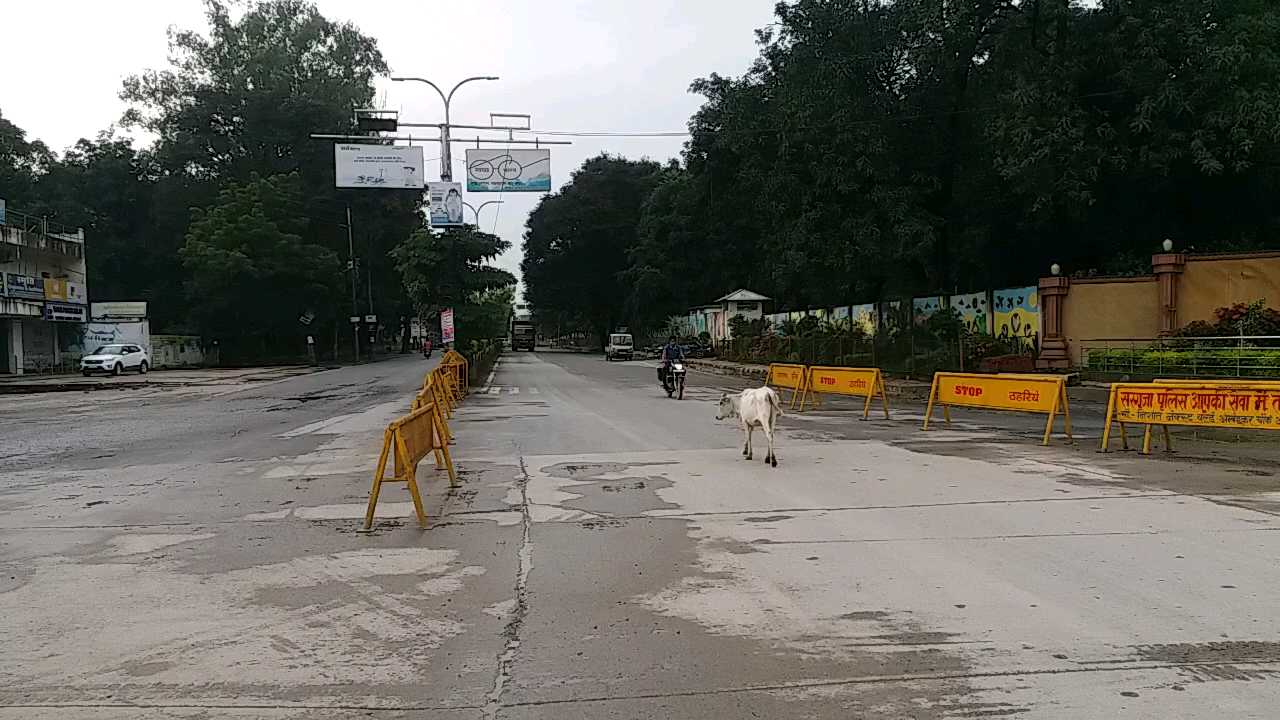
x=1110 y=309
x=1208 y=283
x=974 y=310
x=1016 y=315
x=174 y=351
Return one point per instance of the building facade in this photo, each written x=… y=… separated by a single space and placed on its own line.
x=43 y=294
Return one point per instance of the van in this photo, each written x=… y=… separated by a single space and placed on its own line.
x=620 y=347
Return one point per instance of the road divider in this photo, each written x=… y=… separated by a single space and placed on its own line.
x=856 y=382
x=1233 y=405
x=1042 y=394
x=792 y=377
x=424 y=431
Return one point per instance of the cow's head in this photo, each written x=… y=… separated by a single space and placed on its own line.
x=726 y=407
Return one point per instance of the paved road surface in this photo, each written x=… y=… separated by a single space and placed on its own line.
x=192 y=553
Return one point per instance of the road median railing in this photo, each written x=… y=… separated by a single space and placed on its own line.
x=856 y=382
x=1041 y=394
x=1225 y=404
x=424 y=431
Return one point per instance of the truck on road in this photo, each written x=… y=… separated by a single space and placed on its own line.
x=523 y=333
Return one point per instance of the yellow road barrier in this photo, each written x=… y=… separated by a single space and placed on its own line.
x=788 y=376
x=410 y=439
x=1230 y=405
x=434 y=393
x=457 y=365
x=857 y=382
x=1045 y=394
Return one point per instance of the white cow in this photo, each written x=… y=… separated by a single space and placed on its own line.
x=753 y=407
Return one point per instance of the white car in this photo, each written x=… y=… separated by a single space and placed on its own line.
x=116 y=359
x=620 y=347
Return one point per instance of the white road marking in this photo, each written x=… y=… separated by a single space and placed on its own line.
x=533 y=391
x=515 y=391
x=494 y=390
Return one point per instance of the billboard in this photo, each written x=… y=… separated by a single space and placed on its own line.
x=377 y=166
x=446 y=326
x=444 y=203
x=23 y=286
x=65 y=312
x=136 y=310
x=508 y=170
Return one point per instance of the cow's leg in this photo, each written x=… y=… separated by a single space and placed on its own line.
x=770 y=458
x=750 y=429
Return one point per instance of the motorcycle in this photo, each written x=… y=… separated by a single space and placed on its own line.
x=673 y=381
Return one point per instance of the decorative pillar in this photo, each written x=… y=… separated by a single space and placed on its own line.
x=1167 y=267
x=1053 y=345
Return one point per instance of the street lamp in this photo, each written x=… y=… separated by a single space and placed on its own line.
x=1055 y=269
x=446 y=159
x=1167 y=245
x=477 y=210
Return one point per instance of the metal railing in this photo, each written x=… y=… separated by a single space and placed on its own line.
x=39 y=225
x=1242 y=356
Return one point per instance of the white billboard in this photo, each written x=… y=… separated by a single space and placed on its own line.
x=508 y=170
x=377 y=166
x=444 y=203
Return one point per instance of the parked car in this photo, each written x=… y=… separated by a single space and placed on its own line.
x=116 y=359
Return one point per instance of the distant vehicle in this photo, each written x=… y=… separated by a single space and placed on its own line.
x=116 y=359
x=523 y=334
x=620 y=347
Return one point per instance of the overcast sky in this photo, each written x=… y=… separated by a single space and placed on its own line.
x=595 y=65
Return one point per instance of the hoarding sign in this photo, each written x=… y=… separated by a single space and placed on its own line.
x=118 y=310
x=377 y=166
x=65 y=312
x=55 y=289
x=508 y=170
x=24 y=286
x=446 y=326
x=444 y=201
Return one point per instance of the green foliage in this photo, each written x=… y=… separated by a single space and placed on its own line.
x=251 y=272
x=917 y=146
x=578 y=241
x=449 y=269
x=1248 y=319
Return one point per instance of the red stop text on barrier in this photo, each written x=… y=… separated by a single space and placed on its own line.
x=969 y=391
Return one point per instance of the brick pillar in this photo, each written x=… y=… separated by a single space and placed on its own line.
x=1053 y=345
x=1167 y=267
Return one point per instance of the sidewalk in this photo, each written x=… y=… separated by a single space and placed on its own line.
x=23 y=384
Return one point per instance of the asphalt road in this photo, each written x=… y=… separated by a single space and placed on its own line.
x=191 y=552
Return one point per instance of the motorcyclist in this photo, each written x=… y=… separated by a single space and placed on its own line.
x=671 y=352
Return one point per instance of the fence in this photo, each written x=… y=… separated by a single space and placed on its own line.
x=1209 y=357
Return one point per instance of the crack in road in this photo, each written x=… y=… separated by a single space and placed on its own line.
x=511 y=632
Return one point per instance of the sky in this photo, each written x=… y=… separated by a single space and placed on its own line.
x=573 y=65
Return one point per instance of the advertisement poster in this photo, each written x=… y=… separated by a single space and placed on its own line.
x=864 y=316
x=377 y=166
x=923 y=308
x=508 y=170
x=446 y=326
x=444 y=201
x=26 y=287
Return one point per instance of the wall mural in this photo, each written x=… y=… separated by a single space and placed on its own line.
x=974 y=311
x=1017 y=315
x=923 y=308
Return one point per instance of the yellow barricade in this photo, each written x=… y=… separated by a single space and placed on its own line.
x=857 y=382
x=1233 y=405
x=788 y=376
x=1046 y=394
x=432 y=393
x=457 y=365
x=409 y=440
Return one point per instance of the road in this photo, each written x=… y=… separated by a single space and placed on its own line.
x=192 y=552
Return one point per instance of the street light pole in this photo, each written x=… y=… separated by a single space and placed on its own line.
x=477 y=210
x=351 y=259
x=446 y=158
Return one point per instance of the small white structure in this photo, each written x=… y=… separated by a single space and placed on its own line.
x=715 y=319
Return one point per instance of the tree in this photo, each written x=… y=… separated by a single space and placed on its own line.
x=450 y=269
x=22 y=163
x=244 y=99
x=577 y=243
x=252 y=273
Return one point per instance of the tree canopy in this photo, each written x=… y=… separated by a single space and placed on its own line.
x=888 y=149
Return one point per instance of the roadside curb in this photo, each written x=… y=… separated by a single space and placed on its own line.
x=34 y=388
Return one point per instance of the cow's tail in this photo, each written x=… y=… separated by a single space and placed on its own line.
x=773 y=400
